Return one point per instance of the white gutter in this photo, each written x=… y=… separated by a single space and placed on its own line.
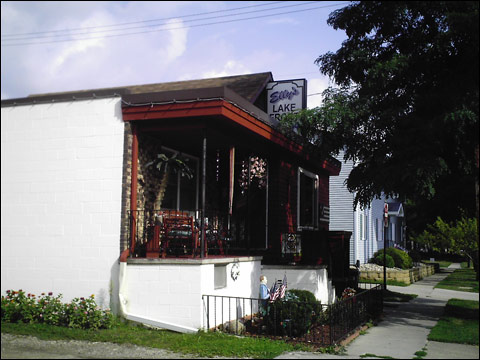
x=122 y=276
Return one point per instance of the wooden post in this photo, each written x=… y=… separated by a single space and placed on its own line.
x=204 y=182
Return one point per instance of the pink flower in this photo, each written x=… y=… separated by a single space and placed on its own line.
x=50 y=293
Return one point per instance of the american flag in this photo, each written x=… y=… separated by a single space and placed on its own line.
x=283 y=287
x=274 y=291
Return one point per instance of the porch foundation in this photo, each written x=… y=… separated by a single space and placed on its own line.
x=170 y=290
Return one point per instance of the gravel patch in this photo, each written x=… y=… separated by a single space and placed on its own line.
x=375 y=267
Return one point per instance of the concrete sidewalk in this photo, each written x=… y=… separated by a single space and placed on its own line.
x=405 y=327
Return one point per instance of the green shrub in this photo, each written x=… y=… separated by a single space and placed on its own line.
x=304 y=295
x=294 y=314
x=18 y=307
x=84 y=313
x=51 y=310
x=400 y=258
x=378 y=259
x=80 y=313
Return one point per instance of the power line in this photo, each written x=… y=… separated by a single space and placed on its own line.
x=175 y=28
x=143 y=21
x=154 y=25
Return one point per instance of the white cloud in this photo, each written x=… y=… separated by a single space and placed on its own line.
x=72 y=50
x=177 y=41
x=231 y=67
x=314 y=88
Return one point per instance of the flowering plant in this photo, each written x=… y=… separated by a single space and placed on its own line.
x=50 y=309
x=80 y=313
x=348 y=293
x=18 y=306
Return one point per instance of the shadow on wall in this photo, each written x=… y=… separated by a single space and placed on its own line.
x=115 y=287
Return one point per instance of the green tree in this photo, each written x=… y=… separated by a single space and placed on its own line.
x=459 y=238
x=406 y=105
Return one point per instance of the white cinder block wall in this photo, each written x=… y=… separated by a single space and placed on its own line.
x=172 y=292
x=61 y=187
x=314 y=280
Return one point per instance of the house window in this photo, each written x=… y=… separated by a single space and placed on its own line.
x=307 y=200
x=220 y=276
x=181 y=192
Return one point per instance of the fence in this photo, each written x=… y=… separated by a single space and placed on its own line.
x=309 y=322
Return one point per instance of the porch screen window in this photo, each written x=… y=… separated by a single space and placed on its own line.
x=181 y=192
x=307 y=200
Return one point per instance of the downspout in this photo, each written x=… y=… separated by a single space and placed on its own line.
x=122 y=281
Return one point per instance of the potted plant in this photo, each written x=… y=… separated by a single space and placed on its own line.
x=169 y=164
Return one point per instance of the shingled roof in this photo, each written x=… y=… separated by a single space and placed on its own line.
x=248 y=86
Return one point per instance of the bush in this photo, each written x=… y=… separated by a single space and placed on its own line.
x=18 y=307
x=400 y=258
x=80 y=313
x=294 y=314
x=378 y=259
x=51 y=310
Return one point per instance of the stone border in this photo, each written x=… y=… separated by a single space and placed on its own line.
x=405 y=276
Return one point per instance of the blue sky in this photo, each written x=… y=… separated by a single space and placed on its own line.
x=132 y=43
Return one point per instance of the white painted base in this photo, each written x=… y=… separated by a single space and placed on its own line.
x=170 y=290
x=312 y=278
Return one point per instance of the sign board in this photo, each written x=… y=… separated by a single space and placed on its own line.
x=285 y=97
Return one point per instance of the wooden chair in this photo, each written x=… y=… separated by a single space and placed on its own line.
x=179 y=234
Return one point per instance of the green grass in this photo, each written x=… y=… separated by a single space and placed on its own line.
x=443 y=264
x=204 y=344
x=389 y=282
x=459 y=324
x=460 y=280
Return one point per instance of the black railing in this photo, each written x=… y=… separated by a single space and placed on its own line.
x=309 y=322
x=143 y=225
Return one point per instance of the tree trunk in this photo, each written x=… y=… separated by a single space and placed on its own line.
x=157 y=205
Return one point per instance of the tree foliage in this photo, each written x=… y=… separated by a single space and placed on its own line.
x=459 y=238
x=406 y=105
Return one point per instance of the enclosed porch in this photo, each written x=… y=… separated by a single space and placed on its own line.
x=217 y=197
x=214 y=179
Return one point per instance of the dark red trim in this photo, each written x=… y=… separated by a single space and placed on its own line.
x=222 y=109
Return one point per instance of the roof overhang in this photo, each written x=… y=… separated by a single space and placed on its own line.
x=211 y=104
x=395 y=209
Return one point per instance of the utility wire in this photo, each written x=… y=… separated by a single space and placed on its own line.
x=143 y=21
x=179 y=21
x=175 y=28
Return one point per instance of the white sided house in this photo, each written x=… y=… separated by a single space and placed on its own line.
x=84 y=212
x=366 y=225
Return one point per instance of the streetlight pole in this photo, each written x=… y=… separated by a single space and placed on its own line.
x=385 y=229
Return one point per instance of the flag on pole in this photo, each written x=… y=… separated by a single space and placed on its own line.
x=283 y=287
x=274 y=291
